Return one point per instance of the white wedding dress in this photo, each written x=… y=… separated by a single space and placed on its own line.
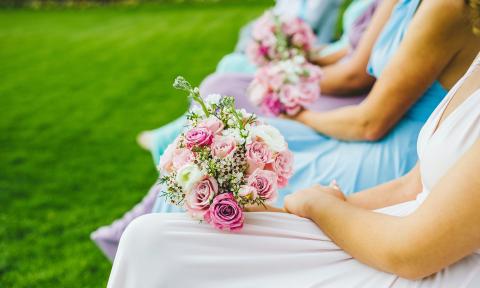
x=283 y=250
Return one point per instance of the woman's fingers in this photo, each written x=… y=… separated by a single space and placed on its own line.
x=334 y=185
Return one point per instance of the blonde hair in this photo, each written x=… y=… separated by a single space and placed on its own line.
x=475 y=5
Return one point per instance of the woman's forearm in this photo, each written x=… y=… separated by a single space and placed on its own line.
x=368 y=236
x=330 y=59
x=397 y=191
x=345 y=79
x=347 y=123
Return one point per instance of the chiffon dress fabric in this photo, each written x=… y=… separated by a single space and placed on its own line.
x=283 y=250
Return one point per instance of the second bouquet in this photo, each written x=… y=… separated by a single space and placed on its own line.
x=225 y=160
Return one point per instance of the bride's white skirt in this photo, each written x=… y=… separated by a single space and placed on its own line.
x=272 y=250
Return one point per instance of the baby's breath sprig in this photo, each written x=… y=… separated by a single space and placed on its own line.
x=229 y=103
x=181 y=83
x=282 y=44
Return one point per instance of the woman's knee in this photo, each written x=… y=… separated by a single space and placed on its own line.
x=144 y=231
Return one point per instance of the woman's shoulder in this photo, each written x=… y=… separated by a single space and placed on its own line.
x=446 y=11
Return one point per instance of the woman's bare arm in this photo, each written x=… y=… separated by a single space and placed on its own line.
x=443 y=230
x=330 y=59
x=437 y=33
x=351 y=77
x=397 y=191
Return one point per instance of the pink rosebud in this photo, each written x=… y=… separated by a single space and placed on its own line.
x=223 y=146
x=225 y=213
x=265 y=182
x=198 y=200
x=258 y=154
x=248 y=192
x=283 y=166
x=182 y=157
x=282 y=181
x=213 y=124
x=198 y=136
x=166 y=161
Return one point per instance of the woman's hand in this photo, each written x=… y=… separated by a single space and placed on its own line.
x=300 y=116
x=299 y=203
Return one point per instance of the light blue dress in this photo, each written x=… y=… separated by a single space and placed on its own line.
x=359 y=165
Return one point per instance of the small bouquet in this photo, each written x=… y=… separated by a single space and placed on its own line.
x=225 y=160
x=285 y=86
x=277 y=37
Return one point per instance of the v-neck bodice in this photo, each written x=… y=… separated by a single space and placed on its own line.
x=441 y=144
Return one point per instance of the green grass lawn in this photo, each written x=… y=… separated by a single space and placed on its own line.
x=76 y=86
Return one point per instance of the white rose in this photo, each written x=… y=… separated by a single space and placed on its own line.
x=256 y=92
x=188 y=176
x=271 y=136
x=245 y=114
x=197 y=110
x=299 y=59
x=213 y=99
x=235 y=133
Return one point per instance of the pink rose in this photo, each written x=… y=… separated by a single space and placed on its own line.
x=292 y=26
x=293 y=110
x=258 y=154
x=309 y=88
x=182 y=157
x=248 y=192
x=213 y=124
x=225 y=213
x=274 y=78
x=301 y=34
x=309 y=93
x=198 y=200
x=166 y=161
x=265 y=182
x=198 y=136
x=299 y=40
x=289 y=95
x=263 y=26
x=271 y=105
x=283 y=166
x=223 y=147
x=255 y=54
x=263 y=50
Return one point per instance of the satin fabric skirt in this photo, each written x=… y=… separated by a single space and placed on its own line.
x=272 y=250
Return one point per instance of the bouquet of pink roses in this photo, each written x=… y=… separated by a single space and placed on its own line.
x=277 y=37
x=225 y=160
x=285 y=86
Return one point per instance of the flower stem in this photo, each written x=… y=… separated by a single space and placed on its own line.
x=195 y=94
x=181 y=83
